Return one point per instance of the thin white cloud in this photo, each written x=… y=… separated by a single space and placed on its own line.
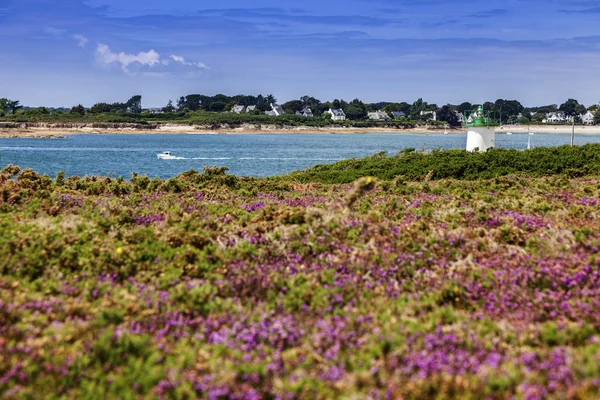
x=104 y=55
x=81 y=40
x=182 y=60
x=178 y=59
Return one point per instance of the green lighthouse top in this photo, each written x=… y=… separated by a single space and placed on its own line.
x=480 y=119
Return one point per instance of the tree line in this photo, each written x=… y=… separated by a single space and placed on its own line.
x=507 y=111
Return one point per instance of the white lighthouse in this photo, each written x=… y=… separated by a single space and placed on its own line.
x=481 y=134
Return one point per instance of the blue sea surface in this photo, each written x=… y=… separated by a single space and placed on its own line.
x=245 y=155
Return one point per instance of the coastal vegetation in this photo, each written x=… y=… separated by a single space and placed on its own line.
x=460 y=164
x=217 y=110
x=445 y=275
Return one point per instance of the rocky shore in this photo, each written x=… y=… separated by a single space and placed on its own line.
x=59 y=130
x=45 y=130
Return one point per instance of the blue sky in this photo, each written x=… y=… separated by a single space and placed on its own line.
x=65 y=52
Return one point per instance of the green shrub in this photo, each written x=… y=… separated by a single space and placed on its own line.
x=460 y=164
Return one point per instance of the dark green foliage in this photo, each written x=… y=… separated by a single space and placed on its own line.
x=77 y=110
x=460 y=164
x=572 y=107
x=214 y=175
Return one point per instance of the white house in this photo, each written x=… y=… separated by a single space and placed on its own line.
x=379 y=116
x=276 y=111
x=588 y=118
x=336 y=114
x=306 y=112
x=555 y=117
x=460 y=118
x=238 y=109
x=432 y=115
x=250 y=109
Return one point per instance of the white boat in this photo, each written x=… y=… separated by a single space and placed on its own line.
x=509 y=133
x=445 y=131
x=165 y=156
x=529 y=145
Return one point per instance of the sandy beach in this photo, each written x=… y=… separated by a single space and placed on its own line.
x=558 y=129
x=46 y=130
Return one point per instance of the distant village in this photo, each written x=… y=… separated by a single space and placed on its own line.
x=507 y=112
x=338 y=114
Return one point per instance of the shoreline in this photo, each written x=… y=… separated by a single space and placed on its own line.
x=42 y=130
x=50 y=131
x=551 y=129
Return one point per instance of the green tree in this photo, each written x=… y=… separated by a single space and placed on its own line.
x=597 y=117
x=38 y=111
x=291 y=107
x=169 y=108
x=489 y=108
x=509 y=110
x=216 y=103
x=271 y=99
x=13 y=106
x=415 y=111
x=381 y=105
x=263 y=103
x=464 y=107
x=78 y=109
x=391 y=107
x=192 y=102
x=355 y=111
x=524 y=120
x=571 y=107
x=538 y=117
x=547 y=109
x=134 y=104
x=100 y=108
x=314 y=104
x=447 y=114
x=217 y=106
x=309 y=101
x=181 y=104
x=339 y=104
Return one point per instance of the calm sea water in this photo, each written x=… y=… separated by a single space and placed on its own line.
x=245 y=155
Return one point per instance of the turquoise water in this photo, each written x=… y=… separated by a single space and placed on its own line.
x=245 y=155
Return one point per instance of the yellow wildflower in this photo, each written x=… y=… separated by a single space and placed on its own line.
x=119 y=250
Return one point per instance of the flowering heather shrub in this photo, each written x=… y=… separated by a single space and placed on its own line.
x=215 y=287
